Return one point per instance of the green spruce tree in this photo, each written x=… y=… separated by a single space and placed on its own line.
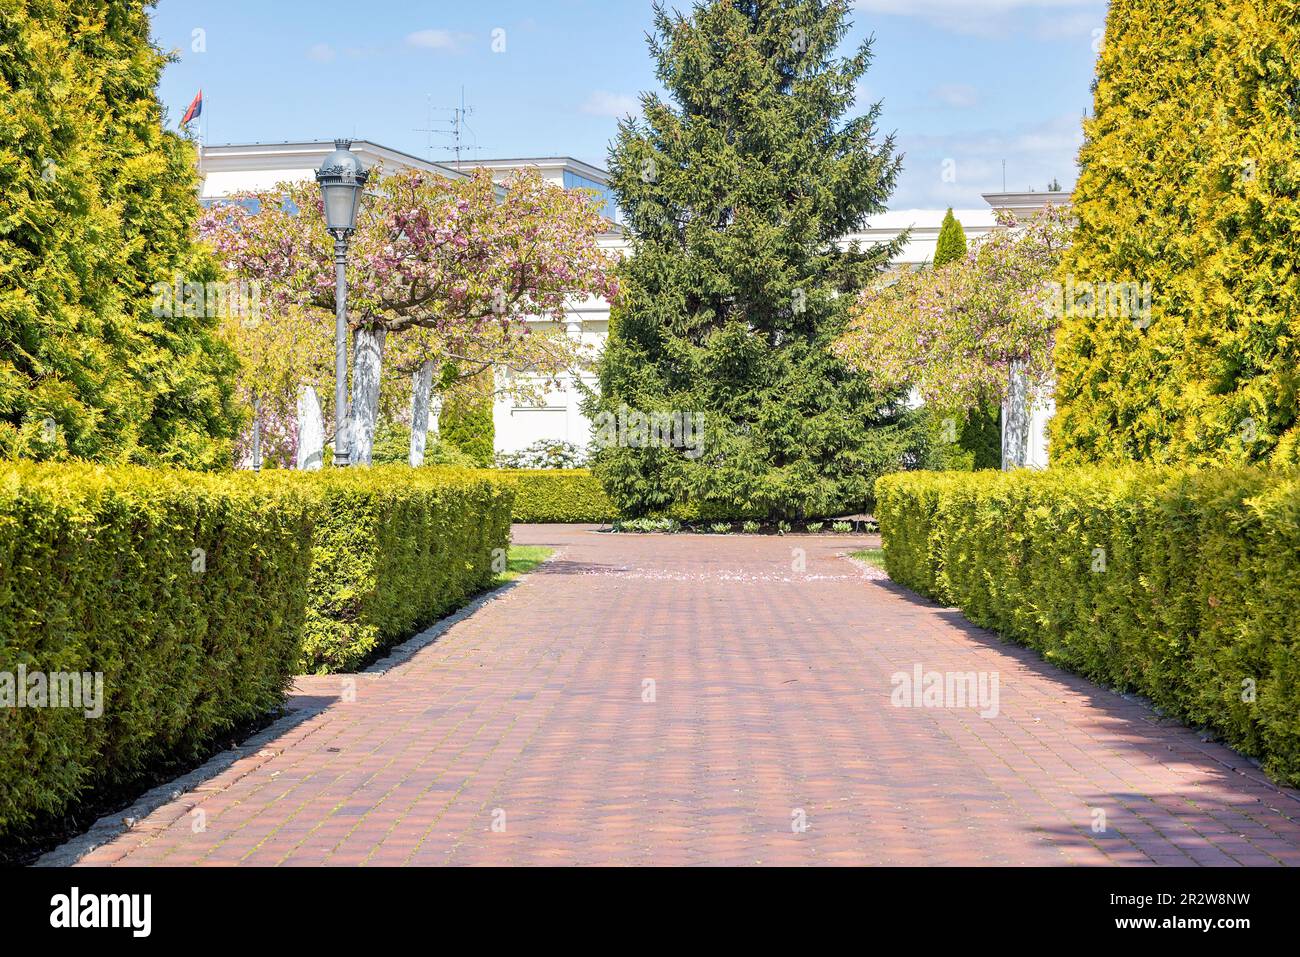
x=951 y=244
x=97 y=204
x=736 y=195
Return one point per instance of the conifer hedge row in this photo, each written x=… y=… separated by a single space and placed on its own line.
x=197 y=597
x=558 y=496
x=186 y=592
x=395 y=549
x=1181 y=585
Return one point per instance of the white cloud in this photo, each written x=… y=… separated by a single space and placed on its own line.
x=1070 y=25
x=988 y=17
x=433 y=39
x=617 y=105
x=322 y=53
x=961 y=96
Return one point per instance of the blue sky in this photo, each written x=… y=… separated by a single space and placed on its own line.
x=965 y=83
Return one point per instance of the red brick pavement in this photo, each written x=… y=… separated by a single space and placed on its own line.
x=770 y=706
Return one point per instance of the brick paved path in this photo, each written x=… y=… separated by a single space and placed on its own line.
x=771 y=705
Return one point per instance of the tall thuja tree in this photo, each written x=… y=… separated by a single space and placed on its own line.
x=736 y=195
x=951 y=244
x=97 y=205
x=466 y=422
x=962 y=438
x=1189 y=183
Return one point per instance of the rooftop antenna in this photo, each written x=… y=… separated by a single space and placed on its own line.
x=454 y=128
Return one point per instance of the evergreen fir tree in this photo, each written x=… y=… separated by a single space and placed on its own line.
x=97 y=204
x=736 y=196
x=952 y=241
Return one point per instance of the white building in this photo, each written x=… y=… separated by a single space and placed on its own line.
x=240 y=167
x=234 y=168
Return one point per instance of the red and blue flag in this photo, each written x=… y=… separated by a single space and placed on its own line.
x=195 y=110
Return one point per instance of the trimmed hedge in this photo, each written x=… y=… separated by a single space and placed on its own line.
x=99 y=573
x=1183 y=586
x=557 y=497
x=576 y=496
x=395 y=549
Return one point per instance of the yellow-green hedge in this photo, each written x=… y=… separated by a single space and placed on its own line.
x=198 y=597
x=1183 y=586
x=557 y=497
x=186 y=591
x=395 y=549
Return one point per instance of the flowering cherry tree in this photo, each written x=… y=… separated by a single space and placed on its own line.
x=977 y=331
x=439 y=271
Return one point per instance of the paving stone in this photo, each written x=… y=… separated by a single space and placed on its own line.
x=695 y=700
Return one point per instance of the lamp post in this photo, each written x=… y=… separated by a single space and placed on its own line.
x=342 y=180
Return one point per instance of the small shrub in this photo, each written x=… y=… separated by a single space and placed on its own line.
x=815 y=527
x=783 y=528
x=842 y=528
x=951 y=244
x=646 y=526
x=720 y=528
x=393 y=447
x=466 y=423
x=751 y=527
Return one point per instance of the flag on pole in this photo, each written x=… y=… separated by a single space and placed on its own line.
x=195 y=110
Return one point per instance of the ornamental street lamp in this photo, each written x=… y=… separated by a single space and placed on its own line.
x=342 y=180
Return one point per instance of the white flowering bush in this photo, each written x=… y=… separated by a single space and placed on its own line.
x=546 y=454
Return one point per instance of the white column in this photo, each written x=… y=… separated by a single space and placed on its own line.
x=1016 y=419
x=311 y=432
